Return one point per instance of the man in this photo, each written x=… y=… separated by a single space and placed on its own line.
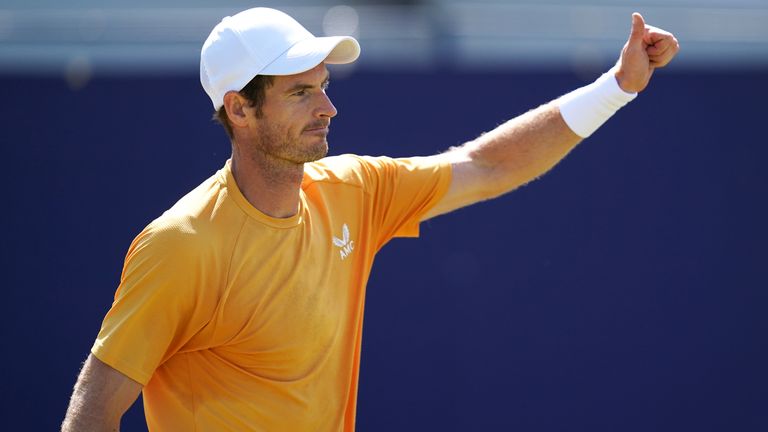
x=241 y=307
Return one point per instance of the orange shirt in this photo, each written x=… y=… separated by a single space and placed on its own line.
x=233 y=320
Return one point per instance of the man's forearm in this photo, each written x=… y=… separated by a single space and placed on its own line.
x=523 y=148
x=529 y=145
x=509 y=156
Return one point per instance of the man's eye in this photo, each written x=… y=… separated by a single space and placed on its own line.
x=300 y=93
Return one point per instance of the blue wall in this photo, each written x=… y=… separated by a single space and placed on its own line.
x=626 y=290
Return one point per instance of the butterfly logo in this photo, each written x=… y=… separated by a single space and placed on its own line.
x=345 y=244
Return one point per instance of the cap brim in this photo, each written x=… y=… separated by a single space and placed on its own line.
x=309 y=53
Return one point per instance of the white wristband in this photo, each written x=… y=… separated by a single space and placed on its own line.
x=586 y=109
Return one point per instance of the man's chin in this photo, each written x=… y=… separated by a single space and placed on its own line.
x=317 y=153
x=320 y=152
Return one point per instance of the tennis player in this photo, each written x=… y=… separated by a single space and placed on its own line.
x=241 y=307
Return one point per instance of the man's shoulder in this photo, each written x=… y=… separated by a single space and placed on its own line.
x=197 y=220
x=349 y=169
x=341 y=167
x=198 y=201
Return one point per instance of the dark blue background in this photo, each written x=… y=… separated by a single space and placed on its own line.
x=625 y=290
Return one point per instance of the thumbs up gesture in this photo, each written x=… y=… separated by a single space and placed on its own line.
x=647 y=49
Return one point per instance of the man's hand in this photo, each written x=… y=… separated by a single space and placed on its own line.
x=648 y=48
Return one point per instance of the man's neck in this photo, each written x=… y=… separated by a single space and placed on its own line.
x=270 y=186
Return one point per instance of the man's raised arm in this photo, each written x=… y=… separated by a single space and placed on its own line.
x=527 y=146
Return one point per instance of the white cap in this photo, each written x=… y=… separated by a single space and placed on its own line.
x=263 y=41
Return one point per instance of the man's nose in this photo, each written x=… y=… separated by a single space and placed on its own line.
x=326 y=108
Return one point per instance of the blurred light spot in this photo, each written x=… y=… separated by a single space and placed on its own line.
x=588 y=22
x=587 y=62
x=6 y=26
x=341 y=21
x=78 y=72
x=92 y=26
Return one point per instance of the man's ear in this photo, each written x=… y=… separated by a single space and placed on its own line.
x=235 y=105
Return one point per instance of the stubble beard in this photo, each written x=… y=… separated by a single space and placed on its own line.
x=280 y=152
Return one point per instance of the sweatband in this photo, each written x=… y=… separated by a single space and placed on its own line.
x=587 y=108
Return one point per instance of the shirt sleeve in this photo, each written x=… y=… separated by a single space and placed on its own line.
x=160 y=303
x=404 y=190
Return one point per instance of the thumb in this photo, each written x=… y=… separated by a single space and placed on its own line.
x=638 y=29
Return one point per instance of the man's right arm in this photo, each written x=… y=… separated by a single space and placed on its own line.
x=101 y=396
x=527 y=146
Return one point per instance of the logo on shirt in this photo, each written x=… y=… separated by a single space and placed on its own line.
x=345 y=244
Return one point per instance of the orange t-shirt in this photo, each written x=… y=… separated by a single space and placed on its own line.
x=233 y=320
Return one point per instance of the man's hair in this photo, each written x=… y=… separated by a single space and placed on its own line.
x=255 y=91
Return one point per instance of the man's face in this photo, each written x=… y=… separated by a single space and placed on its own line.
x=296 y=116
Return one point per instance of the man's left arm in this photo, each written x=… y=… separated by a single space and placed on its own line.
x=527 y=146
